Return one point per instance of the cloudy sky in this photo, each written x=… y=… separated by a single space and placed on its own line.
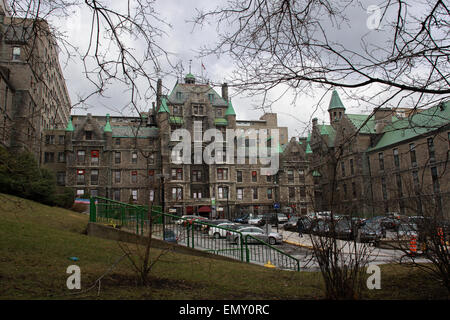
x=183 y=43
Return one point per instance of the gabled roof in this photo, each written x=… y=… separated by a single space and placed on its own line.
x=163 y=108
x=131 y=132
x=328 y=130
x=418 y=124
x=70 y=125
x=107 y=127
x=335 y=102
x=359 y=119
x=230 y=110
x=187 y=89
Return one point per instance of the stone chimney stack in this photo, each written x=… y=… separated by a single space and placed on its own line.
x=383 y=117
x=225 y=91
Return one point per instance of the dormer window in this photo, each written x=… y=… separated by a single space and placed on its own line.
x=219 y=112
x=88 y=135
x=211 y=97
x=179 y=95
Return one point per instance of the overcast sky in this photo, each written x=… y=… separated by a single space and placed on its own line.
x=184 y=43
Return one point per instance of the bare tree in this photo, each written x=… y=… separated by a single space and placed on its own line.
x=402 y=57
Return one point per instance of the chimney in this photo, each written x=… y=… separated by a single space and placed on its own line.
x=158 y=94
x=314 y=122
x=383 y=117
x=225 y=91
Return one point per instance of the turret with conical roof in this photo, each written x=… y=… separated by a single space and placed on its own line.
x=230 y=114
x=336 y=108
x=107 y=130
x=68 y=136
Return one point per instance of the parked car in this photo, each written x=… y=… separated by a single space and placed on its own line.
x=257 y=221
x=371 y=231
x=291 y=224
x=205 y=228
x=242 y=219
x=407 y=230
x=282 y=218
x=189 y=218
x=320 y=227
x=219 y=232
x=345 y=229
x=258 y=233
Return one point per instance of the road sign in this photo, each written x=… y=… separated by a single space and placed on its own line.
x=213 y=201
x=276 y=205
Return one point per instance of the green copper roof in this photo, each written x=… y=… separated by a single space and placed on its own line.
x=328 y=130
x=70 y=125
x=230 y=110
x=335 y=102
x=418 y=124
x=107 y=127
x=316 y=173
x=176 y=120
x=220 y=122
x=308 y=149
x=308 y=139
x=163 y=108
x=189 y=76
x=365 y=126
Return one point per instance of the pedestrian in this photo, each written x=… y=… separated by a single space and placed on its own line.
x=300 y=228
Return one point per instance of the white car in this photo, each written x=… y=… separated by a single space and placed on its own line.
x=219 y=232
x=256 y=220
x=189 y=218
x=282 y=218
x=258 y=233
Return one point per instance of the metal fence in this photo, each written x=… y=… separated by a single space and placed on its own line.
x=188 y=232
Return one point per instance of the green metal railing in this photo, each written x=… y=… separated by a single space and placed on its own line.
x=191 y=233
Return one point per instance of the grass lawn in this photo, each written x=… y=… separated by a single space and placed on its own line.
x=36 y=242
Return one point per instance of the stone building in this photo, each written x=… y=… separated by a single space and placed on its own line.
x=363 y=164
x=32 y=87
x=132 y=158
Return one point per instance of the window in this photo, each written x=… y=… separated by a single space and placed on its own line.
x=117 y=141
x=16 y=53
x=95 y=157
x=80 y=177
x=399 y=185
x=88 y=135
x=197 y=110
x=179 y=95
x=223 y=192
x=269 y=193
x=116 y=194
x=151 y=175
x=61 y=178
x=343 y=168
x=354 y=190
x=61 y=139
x=269 y=178
x=290 y=175
x=94 y=177
x=254 y=176
x=239 y=193
x=49 y=157
x=415 y=175
x=301 y=174
x=384 y=188
x=412 y=153
x=134 y=157
x=177 y=174
x=239 y=176
x=431 y=154
x=151 y=159
x=344 y=187
x=291 y=193
x=151 y=195
x=134 y=194
x=211 y=97
x=219 y=112
x=381 y=161
x=94 y=193
x=80 y=193
x=196 y=175
x=222 y=174
x=176 y=110
x=435 y=178
x=49 y=139
x=396 y=158
x=352 y=168
x=177 y=193
x=255 y=193
x=117 y=157
x=302 y=192
x=81 y=154
x=134 y=176
x=196 y=194
x=117 y=175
